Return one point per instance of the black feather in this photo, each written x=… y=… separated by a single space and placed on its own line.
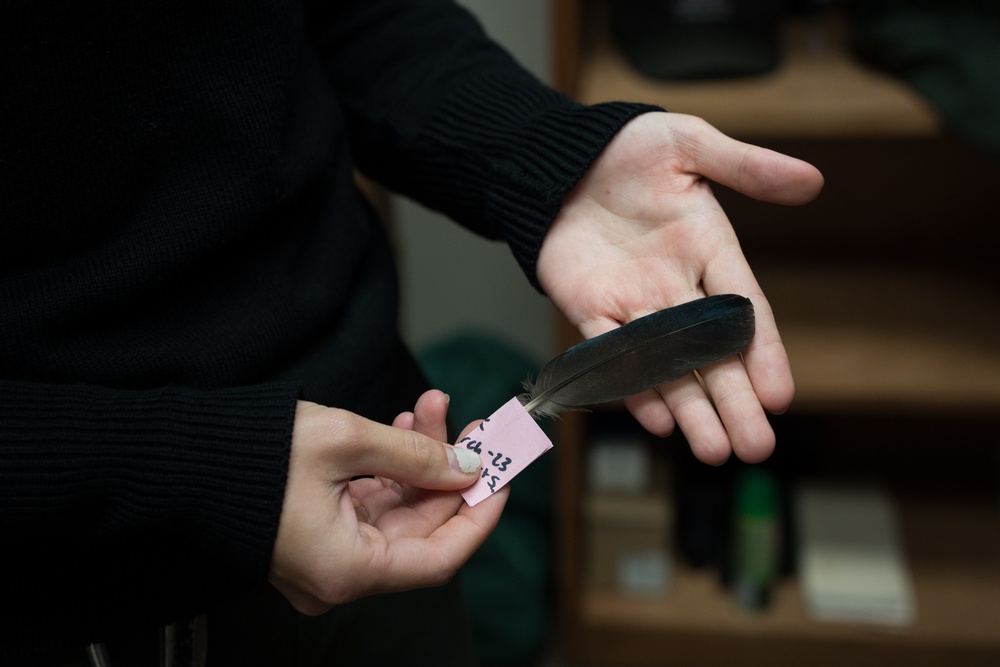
x=651 y=350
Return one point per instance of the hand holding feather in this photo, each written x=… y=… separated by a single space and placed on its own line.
x=642 y=230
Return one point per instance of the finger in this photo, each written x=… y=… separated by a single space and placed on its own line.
x=767 y=362
x=376 y=495
x=651 y=412
x=746 y=425
x=751 y=170
x=414 y=515
x=409 y=562
x=696 y=417
x=469 y=428
x=744 y=387
x=648 y=407
x=430 y=413
x=409 y=511
x=403 y=420
x=365 y=447
x=765 y=359
x=375 y=499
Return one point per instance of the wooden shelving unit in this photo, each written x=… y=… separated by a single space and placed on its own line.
x=820 y=90
x=889 y=339
x=698 y=623
x=886 y=296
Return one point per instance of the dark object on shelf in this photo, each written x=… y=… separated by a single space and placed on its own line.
x=698 y=39
x=949 y=52
x=703 y=521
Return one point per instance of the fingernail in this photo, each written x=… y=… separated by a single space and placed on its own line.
x=463 y=460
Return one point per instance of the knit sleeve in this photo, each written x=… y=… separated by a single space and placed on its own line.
x=440 y=113
x=138 y=506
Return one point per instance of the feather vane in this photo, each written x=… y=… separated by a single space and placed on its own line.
x=658 y=348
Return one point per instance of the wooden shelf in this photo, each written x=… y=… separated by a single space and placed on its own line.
x=888 y=339
x=954 y=558
x=820 y=89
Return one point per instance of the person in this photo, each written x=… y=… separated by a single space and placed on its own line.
x=204 y=402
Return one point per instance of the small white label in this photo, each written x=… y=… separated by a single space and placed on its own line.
x=644 y=573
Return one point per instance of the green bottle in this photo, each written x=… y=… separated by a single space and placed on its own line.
x=756 y=537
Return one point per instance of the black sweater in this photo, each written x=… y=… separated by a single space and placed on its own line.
x=183 y=255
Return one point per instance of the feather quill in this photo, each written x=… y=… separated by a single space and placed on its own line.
x=651 y=350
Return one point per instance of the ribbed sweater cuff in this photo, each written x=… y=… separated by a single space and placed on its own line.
x=530 y=147
x=205 y=469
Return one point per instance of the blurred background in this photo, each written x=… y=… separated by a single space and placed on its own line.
x=872 y=536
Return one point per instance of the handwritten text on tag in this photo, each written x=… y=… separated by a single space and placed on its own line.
x=507 y=442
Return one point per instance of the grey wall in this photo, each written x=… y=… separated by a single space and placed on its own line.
x=452 y=280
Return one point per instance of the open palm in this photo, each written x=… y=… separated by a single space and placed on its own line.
x=642 y=231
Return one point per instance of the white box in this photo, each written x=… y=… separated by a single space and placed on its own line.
x=851 y=559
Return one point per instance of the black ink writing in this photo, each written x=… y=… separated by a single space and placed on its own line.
x=501 y=466
x=474 y=445
x=500 y=462
x=492 y=481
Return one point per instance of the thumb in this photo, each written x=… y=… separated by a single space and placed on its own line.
x=405 y=456
x=751 y=170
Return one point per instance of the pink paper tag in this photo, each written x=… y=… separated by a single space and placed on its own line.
x=507 y=442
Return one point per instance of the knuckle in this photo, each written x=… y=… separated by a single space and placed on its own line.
x=348 y=432
x=338 y=596
x=417 y=452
